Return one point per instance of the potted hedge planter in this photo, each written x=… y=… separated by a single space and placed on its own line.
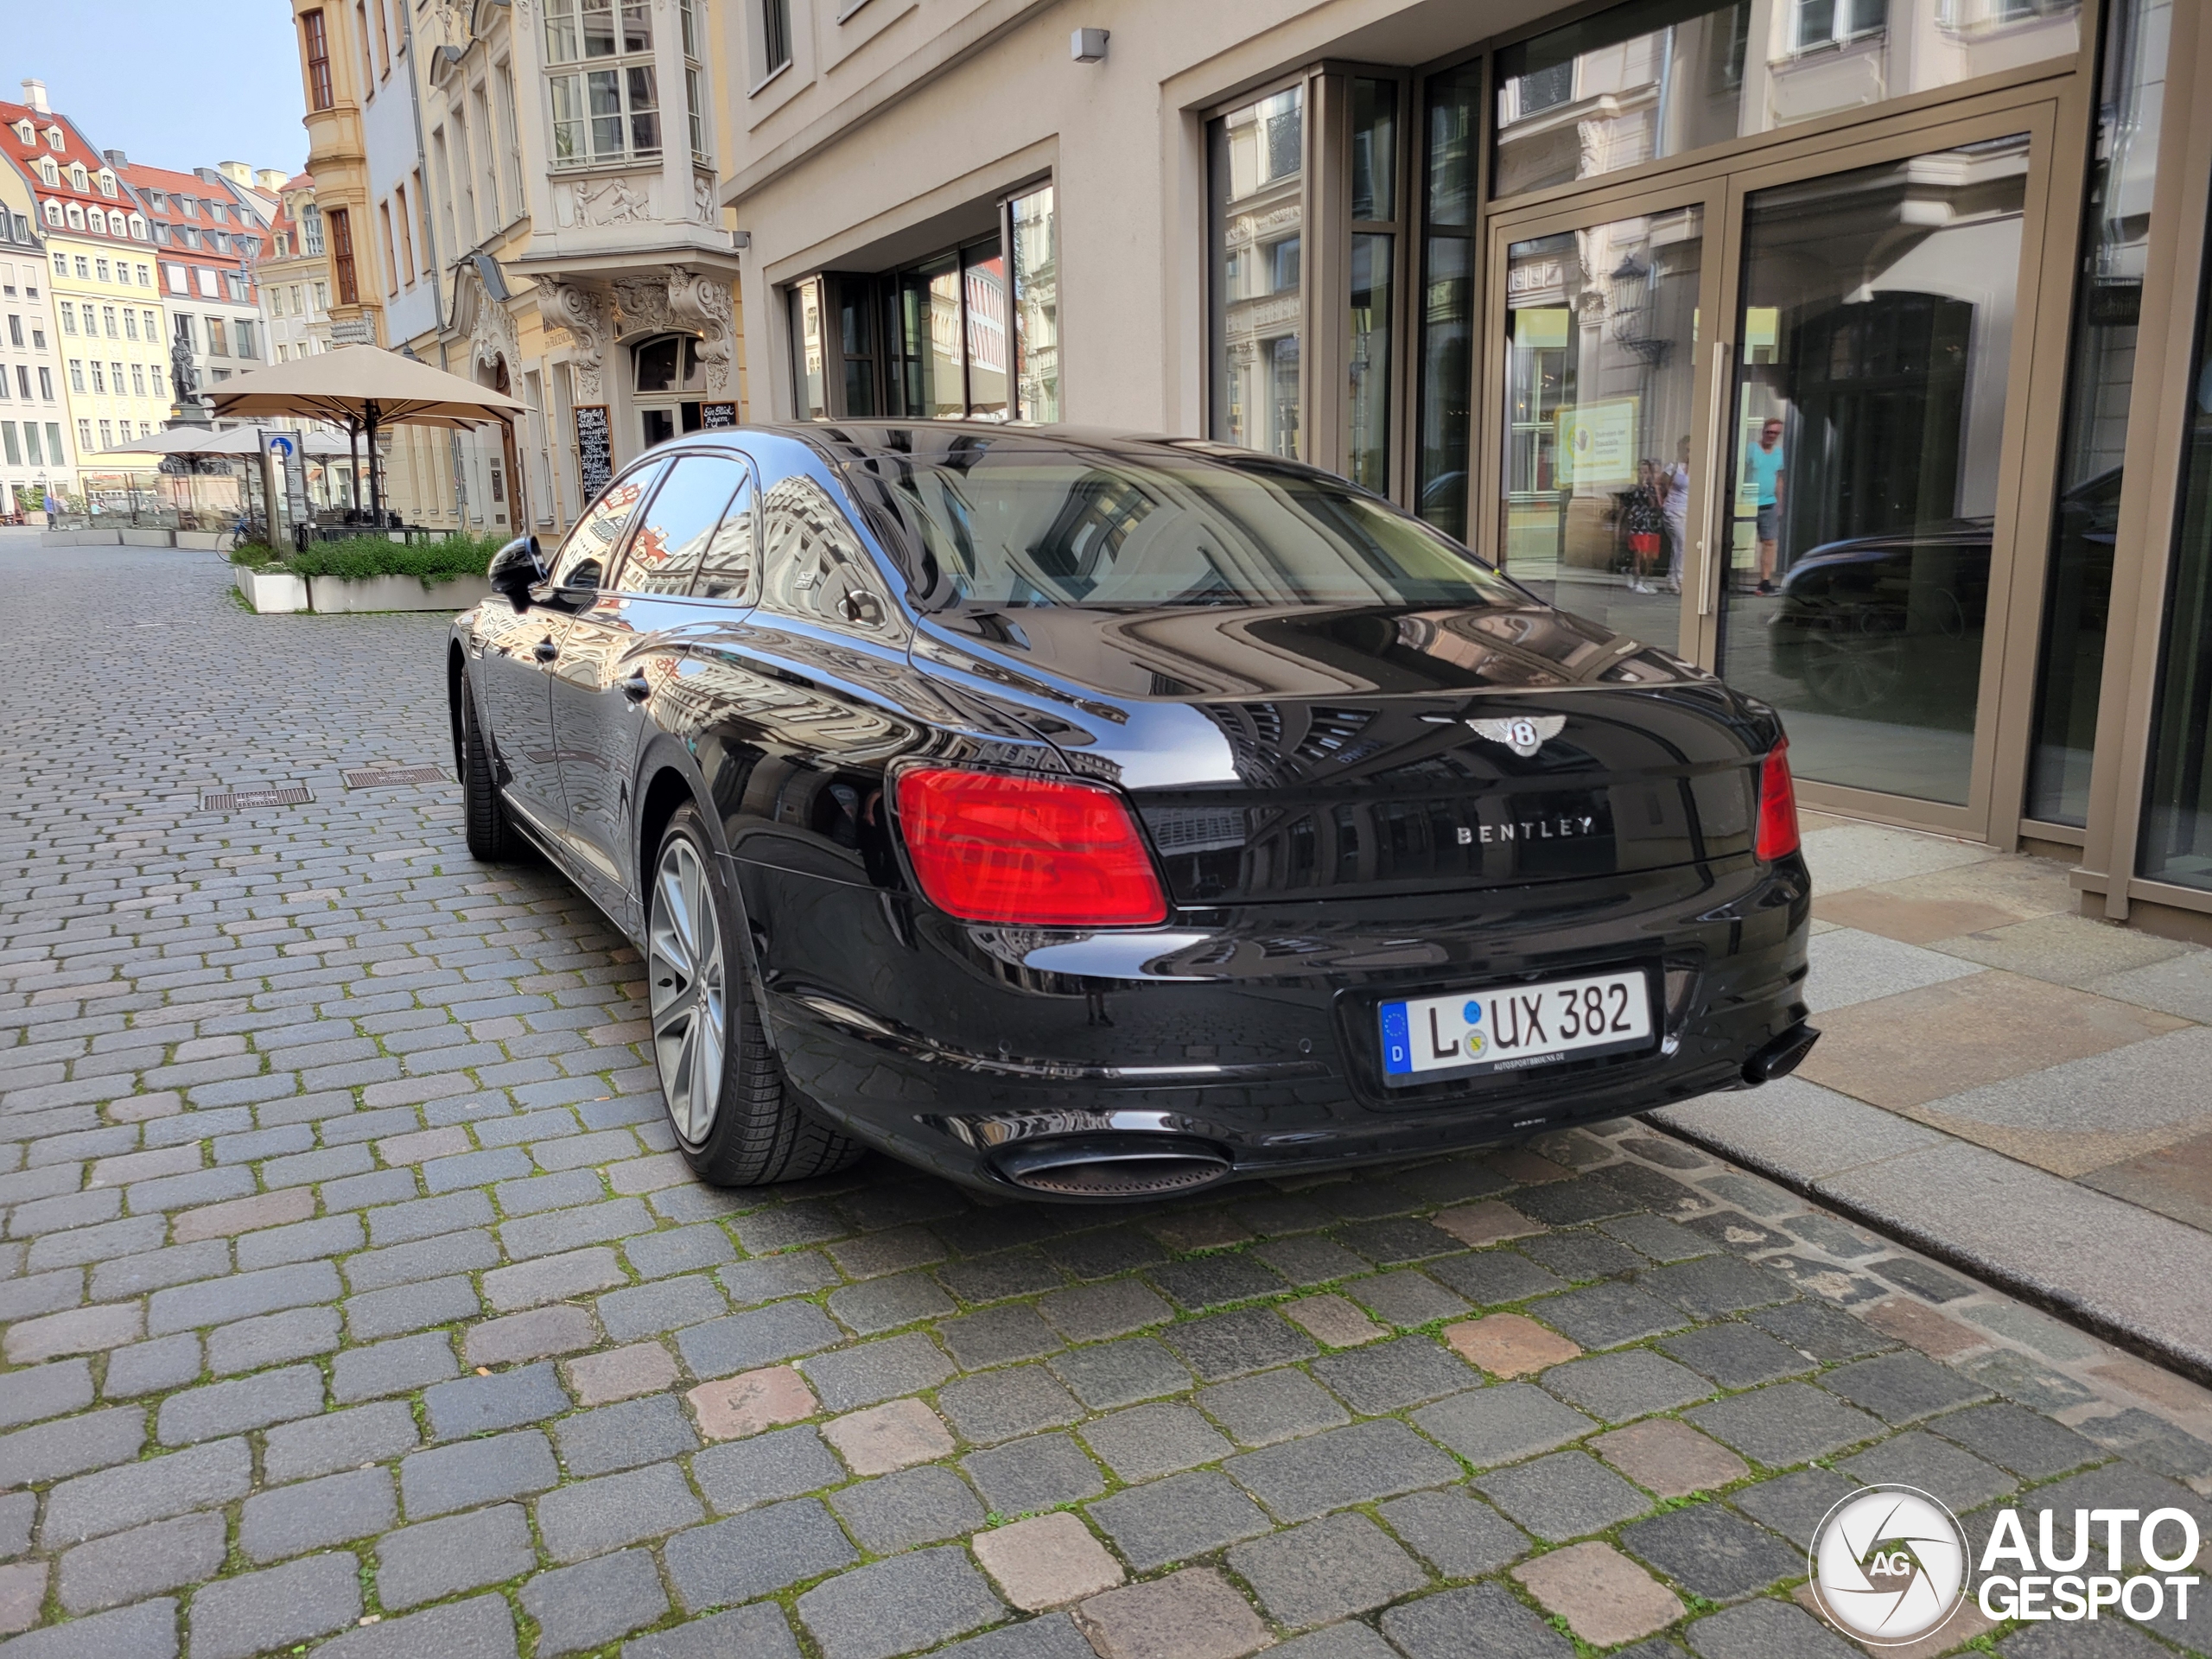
x=369 y=573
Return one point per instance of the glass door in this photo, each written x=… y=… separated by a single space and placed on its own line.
x=1767 y=417
x=1863 y=539
x=1597 y=364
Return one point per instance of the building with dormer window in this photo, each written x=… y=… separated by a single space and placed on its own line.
x=36 y=451
x=109 y=328
x=208 y=275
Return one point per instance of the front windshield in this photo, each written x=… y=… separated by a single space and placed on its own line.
x=1017 y=523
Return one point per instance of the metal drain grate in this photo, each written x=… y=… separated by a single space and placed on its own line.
x=240 y=800
x=381 y=777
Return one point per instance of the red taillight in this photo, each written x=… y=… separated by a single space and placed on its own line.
x=1038 y=852
x=1777 y=806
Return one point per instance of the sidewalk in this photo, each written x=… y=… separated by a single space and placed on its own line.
x=2001 y=1082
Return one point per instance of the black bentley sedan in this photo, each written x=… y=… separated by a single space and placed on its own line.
x=1096 y=816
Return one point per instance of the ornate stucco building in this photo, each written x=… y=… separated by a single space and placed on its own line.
x=569 y=168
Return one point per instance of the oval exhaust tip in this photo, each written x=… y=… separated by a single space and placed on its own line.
x=1782 y=1056
x=1114 y=1167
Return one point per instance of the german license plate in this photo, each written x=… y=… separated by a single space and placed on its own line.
x=1429 y=1038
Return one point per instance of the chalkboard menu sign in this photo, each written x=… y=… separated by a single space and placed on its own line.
x=714 y=415
x=594 y=448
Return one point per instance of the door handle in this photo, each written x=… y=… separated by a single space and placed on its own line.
x=637 y=688
x=1720 y=458
x=545 y=650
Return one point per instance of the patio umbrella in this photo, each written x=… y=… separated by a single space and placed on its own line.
x=364 y=386
x=239 y=441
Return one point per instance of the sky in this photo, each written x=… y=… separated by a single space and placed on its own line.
x=172 y=82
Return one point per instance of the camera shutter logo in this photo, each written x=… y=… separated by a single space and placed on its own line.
x=1889 y=1565
x=1522 y=734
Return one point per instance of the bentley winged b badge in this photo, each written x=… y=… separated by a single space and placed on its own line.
x=1522 y=734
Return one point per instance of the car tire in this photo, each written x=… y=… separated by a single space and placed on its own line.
x=737 y=1120
x=492 y=837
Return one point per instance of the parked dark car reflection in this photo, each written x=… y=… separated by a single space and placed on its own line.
x=1875 y=621
x=1095 y=817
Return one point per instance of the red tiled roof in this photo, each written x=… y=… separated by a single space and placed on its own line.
x=74 y=147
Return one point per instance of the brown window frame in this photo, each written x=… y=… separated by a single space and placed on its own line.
x=319 y=96
x=338 y=224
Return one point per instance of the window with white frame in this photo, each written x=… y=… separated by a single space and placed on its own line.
x=695 y=87
x=48 y=172
x=311 y=229
x=601 y=78
x=775 y=36
x=1831 y=23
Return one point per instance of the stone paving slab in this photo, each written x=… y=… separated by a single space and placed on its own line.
x=443 y=1356
x=2003 y=1081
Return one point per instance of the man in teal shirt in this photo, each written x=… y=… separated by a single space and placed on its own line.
x=1762 y=460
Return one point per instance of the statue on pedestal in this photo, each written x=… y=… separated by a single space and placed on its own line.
x=185 y=379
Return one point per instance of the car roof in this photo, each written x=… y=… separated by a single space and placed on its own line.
x=845 y=443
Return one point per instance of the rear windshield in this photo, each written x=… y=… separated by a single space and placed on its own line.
x=1017 y=525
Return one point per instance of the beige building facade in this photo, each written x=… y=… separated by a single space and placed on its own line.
x=1798 y=336
x=528 y=195
x=568 y=175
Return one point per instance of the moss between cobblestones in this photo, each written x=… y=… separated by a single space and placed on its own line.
x=555 y=933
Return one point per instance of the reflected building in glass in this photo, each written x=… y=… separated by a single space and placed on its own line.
x=1849 y=349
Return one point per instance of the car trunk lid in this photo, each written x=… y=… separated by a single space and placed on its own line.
x=1333 y=752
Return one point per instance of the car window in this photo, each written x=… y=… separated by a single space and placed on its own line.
x=1003 y=522
x=673 y=531
x=583 y=562
x=812 y=563
x=726 y=572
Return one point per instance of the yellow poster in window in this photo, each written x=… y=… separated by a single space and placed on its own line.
x=1542 y=327
x=1597 y=442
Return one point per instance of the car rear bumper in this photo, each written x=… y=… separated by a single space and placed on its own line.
x=1246 y=1036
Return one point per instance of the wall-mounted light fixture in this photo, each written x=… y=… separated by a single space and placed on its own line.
x=1089 y=45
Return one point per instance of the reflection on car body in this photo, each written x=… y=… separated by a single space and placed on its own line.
x=1068 y=813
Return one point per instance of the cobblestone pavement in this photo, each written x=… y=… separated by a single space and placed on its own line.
x=352 y=1302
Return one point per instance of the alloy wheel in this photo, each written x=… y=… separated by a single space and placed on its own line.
x=1856 y=662
x=685 y=982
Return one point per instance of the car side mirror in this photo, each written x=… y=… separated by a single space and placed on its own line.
x=515 y=569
